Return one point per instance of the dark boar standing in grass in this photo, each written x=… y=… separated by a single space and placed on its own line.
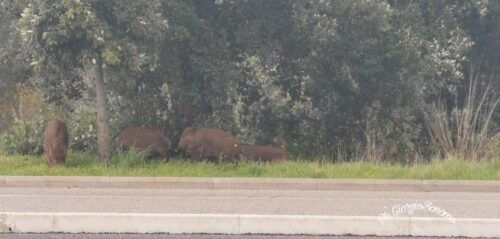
x=56 y=143
x=152 y=140
x=212 y=144
x=261 y=153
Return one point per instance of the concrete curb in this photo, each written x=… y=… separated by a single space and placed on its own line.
x=245 y=224
x=253 y=183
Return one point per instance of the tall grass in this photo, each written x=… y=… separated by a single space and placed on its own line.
x=465 y=131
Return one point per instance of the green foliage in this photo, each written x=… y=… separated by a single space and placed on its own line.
x=14 y=62
x=26 y=134
x=64 y=39
x=129 y=159
x=30 y=116
x=24 y=137
x=82 y=130
x=343 y=80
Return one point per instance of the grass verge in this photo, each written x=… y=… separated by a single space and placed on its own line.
x=79 y=164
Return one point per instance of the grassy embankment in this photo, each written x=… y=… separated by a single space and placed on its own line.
x=132 y=165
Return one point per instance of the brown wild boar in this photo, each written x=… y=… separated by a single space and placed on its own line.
x=262 y=153
x=211 y=144
x=152 y=139
x=56 y=143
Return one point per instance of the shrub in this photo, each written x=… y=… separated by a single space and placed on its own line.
x=25 y=134
x=30 y=116
x=24 y=137
x=83 y=131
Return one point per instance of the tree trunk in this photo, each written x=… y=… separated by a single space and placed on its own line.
x=102 y=114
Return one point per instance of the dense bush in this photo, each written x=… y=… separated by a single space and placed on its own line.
x=337 y=79
x=26 y=133
x=82 y=130
x=24 y=137
x=30 y=116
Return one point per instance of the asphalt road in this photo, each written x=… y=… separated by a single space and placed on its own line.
x=163 y=236
x=356 y=203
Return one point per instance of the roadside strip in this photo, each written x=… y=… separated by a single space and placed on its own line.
x=18 y=222
x=252 y=183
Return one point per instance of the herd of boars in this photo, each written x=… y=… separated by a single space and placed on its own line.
x=211 y=144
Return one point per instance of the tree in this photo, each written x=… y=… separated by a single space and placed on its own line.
x=13 y=65
x=332 y=78
x=67 y=38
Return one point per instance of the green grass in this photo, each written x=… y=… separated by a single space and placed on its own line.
x=132 y=165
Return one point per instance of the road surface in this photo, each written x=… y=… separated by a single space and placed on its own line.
x=269 y=202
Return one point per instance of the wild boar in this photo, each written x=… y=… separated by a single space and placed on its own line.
x=56 y=143
x=262 y=153
x=211 y=144
x=153 y=140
